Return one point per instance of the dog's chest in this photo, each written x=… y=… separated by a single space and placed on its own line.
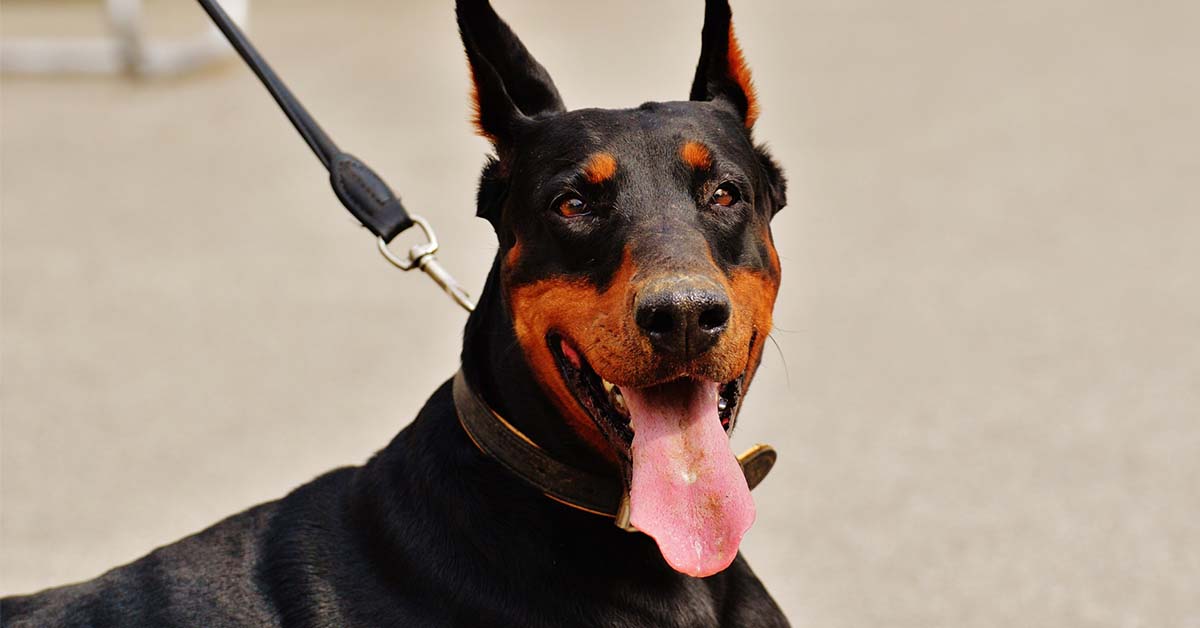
x=582 y=609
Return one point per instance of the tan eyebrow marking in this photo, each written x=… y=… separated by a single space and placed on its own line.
x=696 y=155
x=600 y=168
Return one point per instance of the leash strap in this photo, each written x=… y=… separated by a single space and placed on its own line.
x=583 y=490
x=357 y=186
x=363 y=192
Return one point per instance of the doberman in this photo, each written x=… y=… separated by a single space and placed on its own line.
x=621 y=323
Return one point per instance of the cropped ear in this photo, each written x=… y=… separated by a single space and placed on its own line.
x=510 y=86
x=722 y=75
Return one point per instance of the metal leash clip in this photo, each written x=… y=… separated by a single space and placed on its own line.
x=423 y=256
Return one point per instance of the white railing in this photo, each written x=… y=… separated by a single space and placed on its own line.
x=127 y=49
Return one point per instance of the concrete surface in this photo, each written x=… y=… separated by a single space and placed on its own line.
x=987 y=389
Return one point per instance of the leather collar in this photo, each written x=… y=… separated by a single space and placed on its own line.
x=580 y=489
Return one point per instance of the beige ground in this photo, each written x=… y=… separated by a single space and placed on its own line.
x=987 y=398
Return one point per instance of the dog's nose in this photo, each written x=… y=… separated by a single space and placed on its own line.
x=682 y=318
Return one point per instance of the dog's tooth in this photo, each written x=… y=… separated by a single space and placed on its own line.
x=608 y=386
x=722 y=403
x=618 y=400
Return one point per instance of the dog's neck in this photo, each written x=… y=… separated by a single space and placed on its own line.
x=496 y=367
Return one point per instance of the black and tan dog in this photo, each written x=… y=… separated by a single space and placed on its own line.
x=620 y=326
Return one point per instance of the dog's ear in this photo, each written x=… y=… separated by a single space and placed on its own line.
x=510 y=86
x=722 y=75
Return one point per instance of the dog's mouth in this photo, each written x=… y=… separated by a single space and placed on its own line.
x=605 y=402
x=686 y=488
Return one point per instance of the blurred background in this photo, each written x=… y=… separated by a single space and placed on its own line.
x=987 y=389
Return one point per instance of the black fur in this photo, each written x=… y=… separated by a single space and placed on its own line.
x=430 y=532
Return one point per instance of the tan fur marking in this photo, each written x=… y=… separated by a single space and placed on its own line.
x=696 y=155
x=600 y=168
x=584 y=316
x=513 y=256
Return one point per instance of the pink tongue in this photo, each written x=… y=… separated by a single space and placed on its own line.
x=688 y=491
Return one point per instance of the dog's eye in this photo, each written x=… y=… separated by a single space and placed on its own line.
x=725 y=195
x=571 y=206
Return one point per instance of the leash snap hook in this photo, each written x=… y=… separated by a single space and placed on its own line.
x=423 y=256
x=417 y=253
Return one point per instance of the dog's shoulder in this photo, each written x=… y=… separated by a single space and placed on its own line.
x=207 y=579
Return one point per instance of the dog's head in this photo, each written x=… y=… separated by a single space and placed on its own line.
x=638 y=267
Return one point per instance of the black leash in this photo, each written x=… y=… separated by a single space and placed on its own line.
x=356 y=185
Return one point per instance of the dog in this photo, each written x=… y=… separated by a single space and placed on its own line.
x=619 y=329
